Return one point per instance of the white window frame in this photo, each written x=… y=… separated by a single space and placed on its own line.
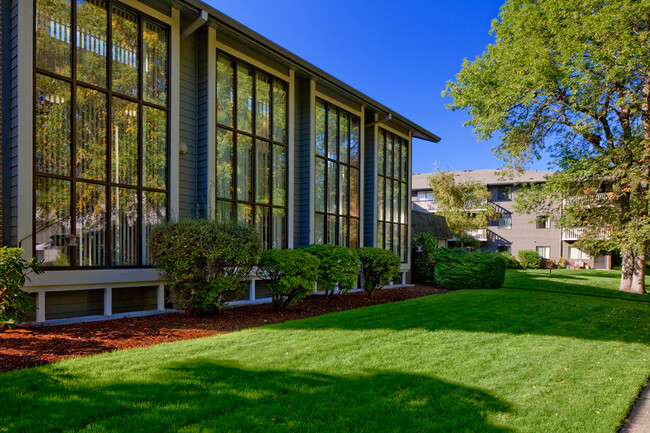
x=502 y=223
x=580 y=255
x=544 y=252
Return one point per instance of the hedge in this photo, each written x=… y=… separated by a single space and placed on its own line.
x=459 y=269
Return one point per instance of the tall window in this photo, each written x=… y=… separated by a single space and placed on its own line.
x=543 y=222
x=392 y=193
x=505 y=222
x=336 y=200
x=252 y=149
x=504 y=193
x=544 y=252
x=100 y=133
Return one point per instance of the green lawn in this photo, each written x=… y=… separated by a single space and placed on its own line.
x=585 y=281
x=468 y=361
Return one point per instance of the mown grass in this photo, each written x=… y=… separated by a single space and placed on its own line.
x=467 y=361
x=582 y=281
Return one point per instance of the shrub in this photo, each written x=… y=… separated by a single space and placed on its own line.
x=292 y=275
x=205 y=262
x=562 y=263
x=423 y=260
x=338 y=265
x=379 y=266
x=546 y=264
x=465 y=270
x=529 y=259
x=14 y=302
x=512 y=262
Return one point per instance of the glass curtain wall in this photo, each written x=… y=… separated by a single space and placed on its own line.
x=336 y=219
x=251 y=149
x=392 y=193
x=101 y=121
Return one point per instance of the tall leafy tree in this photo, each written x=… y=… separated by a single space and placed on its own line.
x=572 y=78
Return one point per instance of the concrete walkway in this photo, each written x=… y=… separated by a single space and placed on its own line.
x=640 y=415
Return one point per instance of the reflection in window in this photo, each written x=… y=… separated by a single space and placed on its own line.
x=336 y=184
x=251 y=149
x=392 y=193
x=101 y=148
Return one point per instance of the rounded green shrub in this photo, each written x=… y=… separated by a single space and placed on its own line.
x=291 y=275
x=14 y=302
x=529 y=259
x=459 y=269
x=512 y=263
x=378 y=266
x=423 y=263
x=339 y=268
x=204 y=262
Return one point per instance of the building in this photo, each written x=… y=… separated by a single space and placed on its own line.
x=513 y=231
x=423 y=221
x=118 y=115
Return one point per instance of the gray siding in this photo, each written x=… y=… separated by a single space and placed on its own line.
x=369 y=193
x=302 y=163
x=188 y=127
x=11 y=160
x=202 y=187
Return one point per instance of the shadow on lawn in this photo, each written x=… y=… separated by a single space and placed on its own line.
x=208 y=396
x=509 y=311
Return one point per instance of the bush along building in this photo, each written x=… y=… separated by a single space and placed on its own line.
x=120 y=115
x=514 y=232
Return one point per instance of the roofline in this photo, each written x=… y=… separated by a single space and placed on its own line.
x=219 y=17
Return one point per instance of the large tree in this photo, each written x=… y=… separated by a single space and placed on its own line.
x=572 y=78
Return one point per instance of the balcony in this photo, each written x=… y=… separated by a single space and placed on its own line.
x=573 y=234
x=588 y=198
x=478 y=234
x=428 y=205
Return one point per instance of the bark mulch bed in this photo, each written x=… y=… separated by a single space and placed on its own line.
x=36 y=345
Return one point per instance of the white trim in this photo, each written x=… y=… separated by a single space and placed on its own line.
x=241 y=56
x=66 y=279
x=25 y=139
x=160 y=298
x=212 y=126
x=174 y=98
x=361 y=196
x=338 y=103
x=153 y=13
x=375 y=177
x=395 y=131
x=409 y=193
x=108 y=301
x=291 y=158
x=312 y=158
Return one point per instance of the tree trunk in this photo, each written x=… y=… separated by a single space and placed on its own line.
x=627 y=271
x=638 y=281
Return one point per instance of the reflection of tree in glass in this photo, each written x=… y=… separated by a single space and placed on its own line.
x=224 y=163
x=91 y=134
x=154 y=148
x=53 y=33
x=125 y=52
x=124 y=135
x=52 y=126
x=92 y=41
x=154 y=45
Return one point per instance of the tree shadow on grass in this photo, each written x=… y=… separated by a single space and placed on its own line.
x=207 y=396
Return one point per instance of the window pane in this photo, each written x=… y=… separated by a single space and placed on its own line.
x=53 y=128
x=380 y=198
x=279 y=228
x=332 y=192
x=344 y=139
x=244 y=168
x=354 y=233
x=91 y=41
x=397 y=157
x=244 y=213
x=354 y=141
x=396 y=206
x=263 y=225
x=403 y=204
x=381 y=152
x=320 y=128
x=354 y=192
x=224 y=163
x=124 y=225
x=154 y=212
x=396 y=239
x=389 y=155
x=154 y=70
x=344 y=181
x=331 y=230
x=405 y=162
x=332 y=148
x=319 y=233
x=125 y=142
x=279 y=112
x=91 y=134
x=224 y=211
x=279 y=175
x=244 y=98
x=225 y=90
x=154 y=148
x=125 y=52
x=263 y=108
x=343 y=232
x=319 y=186
x=404 y=245
x=53 y=36
x=91 y=224
x=53 y=223
x=262 y=171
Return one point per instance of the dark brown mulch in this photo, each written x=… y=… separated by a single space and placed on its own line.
x=36 y=345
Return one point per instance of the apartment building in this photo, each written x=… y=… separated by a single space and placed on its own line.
x=513 y=231
x=119 y=115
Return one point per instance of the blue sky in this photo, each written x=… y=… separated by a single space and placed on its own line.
x=400 y=53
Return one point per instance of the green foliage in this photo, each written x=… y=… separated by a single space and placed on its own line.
x=570 y=79
x=14 y=302
x=529 y=259
x=423 y=263
x=378 y=266
x=459 y=269
x=338 y=266
x=463 y=202
x=561 y=263
x=205 y=263
x=292 y=275
x=513 y=263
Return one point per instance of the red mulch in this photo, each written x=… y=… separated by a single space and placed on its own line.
x=36 y=345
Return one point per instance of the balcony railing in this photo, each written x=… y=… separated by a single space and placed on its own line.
x=431 y=205
x=587 y=197
x=573 y=234
x=478 y=234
